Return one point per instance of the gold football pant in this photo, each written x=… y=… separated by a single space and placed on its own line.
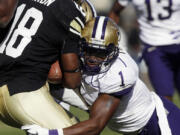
x=36 y=107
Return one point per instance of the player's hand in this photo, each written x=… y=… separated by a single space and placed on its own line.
x=35 y=130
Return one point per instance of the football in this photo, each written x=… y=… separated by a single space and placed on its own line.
x=55 y=74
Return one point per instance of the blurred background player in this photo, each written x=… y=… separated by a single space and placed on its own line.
x=160 y=35
x=34 y=35
x=111 y=86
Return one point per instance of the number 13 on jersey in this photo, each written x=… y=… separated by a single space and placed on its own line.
x=164 y=9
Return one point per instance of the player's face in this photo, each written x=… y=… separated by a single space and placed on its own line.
x=94 y=57
x=7 y=9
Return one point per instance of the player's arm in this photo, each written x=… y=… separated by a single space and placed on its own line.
x=115 y=11
x=7 y=8
x=101 y=112
x=72 y=19
x=71 y=70
x=69 y=73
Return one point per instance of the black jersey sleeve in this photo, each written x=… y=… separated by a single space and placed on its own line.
x=69 y=15
x=72 y=18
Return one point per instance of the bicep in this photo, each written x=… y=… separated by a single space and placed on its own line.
x=104 y=108
x=101 y=112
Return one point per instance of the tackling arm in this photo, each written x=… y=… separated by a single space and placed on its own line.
x=101 y=112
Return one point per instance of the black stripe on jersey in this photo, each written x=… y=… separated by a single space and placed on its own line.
x=79 y=23
x=74 y=30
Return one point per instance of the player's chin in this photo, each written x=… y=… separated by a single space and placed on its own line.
x=92 y=64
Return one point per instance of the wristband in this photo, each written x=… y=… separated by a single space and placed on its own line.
x=53 y=132
x=56 y=132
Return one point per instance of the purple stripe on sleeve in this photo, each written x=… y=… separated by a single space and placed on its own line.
x=122 y=78
x=123 y=92
x=53 y=132
x=122 y=62
x=104 y=28
x=95 y=27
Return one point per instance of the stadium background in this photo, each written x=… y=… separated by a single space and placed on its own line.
x=130 y=40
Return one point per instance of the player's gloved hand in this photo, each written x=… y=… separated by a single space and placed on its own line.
x=35 y=130
x=38 y=130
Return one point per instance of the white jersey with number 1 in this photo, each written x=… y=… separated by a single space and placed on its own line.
x=136 y=106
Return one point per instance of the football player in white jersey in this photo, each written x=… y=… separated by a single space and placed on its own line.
x=160 y=34
x=111 y=86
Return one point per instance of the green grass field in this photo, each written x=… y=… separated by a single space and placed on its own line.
x=6 y=130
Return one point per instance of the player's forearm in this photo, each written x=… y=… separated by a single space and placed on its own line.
x=71 y=70
x=101 y=112
x=88 y=127
x=72 y=80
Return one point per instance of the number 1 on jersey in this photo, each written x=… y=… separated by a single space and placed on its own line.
x=122 y=78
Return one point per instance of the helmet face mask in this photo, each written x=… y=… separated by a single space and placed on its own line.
x=93 y=59
x=99 y=46
x=97 y=61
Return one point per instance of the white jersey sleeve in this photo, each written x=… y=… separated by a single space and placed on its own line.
x=121 y=77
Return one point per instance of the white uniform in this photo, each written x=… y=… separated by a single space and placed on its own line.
x=136 y=106
x=158 y=19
